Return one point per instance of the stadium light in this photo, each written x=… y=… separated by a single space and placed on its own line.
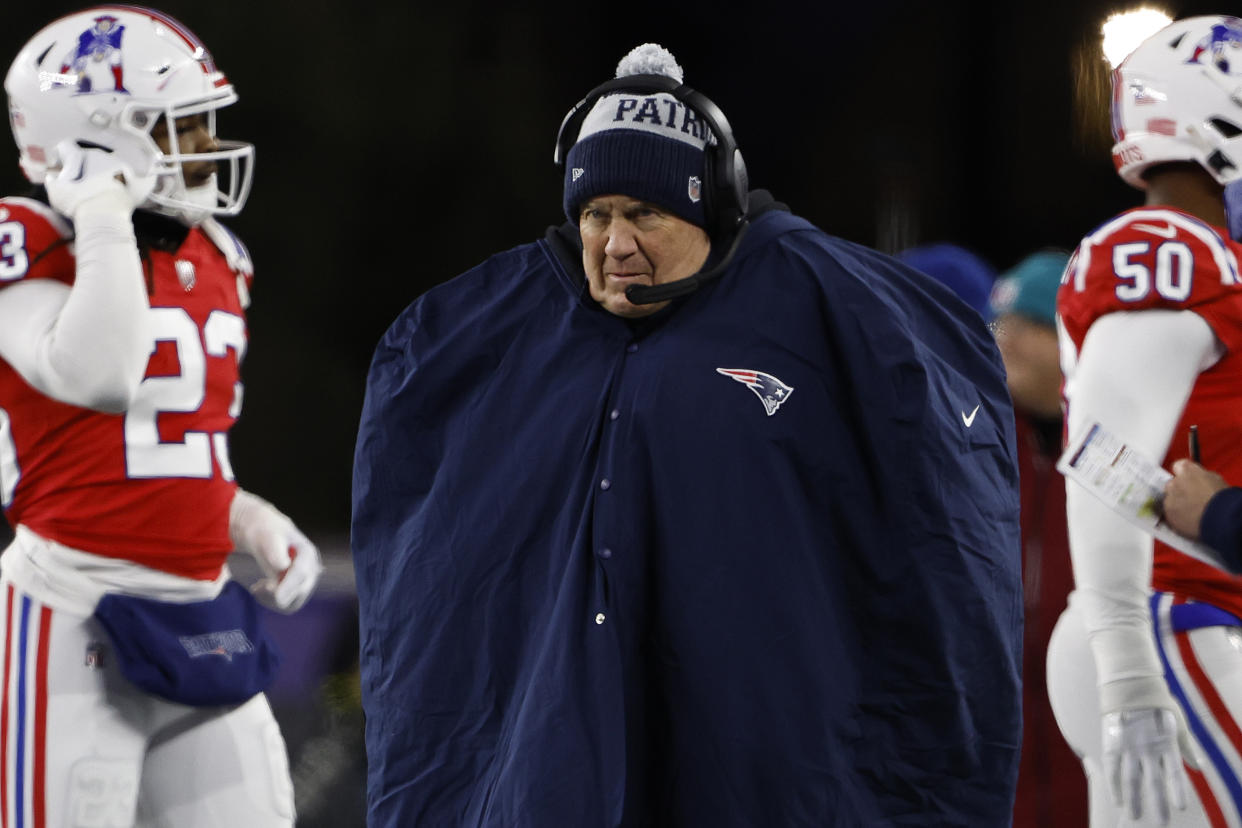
x=1124 y=31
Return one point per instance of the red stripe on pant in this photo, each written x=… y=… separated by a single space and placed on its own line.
x=39 y=762
x=1220 y=713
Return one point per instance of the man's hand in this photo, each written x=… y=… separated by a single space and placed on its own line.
x=286 y=556
x=96 y=176
x=1141 y=753
x=1187 y=495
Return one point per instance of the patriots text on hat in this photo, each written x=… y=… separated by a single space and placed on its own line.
x=654 y=59
x=658 y=114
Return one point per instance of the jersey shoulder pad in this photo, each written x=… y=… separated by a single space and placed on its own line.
x=1149 y=258
x=34 y=242
x=235 y=253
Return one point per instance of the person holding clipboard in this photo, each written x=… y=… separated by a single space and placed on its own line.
x=1201 y=505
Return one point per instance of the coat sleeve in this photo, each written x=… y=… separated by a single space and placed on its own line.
x=1221 y=527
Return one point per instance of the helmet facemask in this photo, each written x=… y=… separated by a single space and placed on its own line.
x=224 y=193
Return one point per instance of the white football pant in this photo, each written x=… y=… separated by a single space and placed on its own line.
x=1204 y=669
x=81 y=747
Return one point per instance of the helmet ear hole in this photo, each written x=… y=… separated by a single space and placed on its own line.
x=1220 y=162
x=1227 y=129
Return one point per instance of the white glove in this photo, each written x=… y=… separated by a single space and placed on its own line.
x=288 y=559
x=97 y=176
x=1141 y=751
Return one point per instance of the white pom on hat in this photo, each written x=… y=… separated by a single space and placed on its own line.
x=650 y=59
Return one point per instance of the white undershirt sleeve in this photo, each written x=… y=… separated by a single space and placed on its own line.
x=87 y=345
x=1133 y=376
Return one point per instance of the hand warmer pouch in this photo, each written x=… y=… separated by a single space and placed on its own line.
x=202 y=654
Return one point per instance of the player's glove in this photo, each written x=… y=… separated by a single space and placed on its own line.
x=288 y=559
x=95 y=176
x=1141 y=751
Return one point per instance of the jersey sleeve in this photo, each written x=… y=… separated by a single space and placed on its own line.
x=1151 y=259
x=34 y=243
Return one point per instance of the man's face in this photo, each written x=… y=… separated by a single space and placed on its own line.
x=193 y=136
x=630 y=242
x=1032 y=364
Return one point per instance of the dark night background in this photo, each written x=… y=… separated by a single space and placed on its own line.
x=400 y=145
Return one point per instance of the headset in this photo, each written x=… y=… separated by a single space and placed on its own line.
x=725 y=189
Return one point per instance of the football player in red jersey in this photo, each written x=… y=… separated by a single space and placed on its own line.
x=1144 y=666
x=133 y=664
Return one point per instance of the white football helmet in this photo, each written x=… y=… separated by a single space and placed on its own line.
x=1178 y=97
x=104 y=77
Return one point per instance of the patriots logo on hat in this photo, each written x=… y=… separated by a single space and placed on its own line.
x=695 y=188
x=771 y=391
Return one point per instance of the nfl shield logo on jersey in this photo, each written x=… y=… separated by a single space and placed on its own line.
x=695 y=188
x=185 y=274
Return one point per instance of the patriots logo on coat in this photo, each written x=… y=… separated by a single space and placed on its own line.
x=771 y=391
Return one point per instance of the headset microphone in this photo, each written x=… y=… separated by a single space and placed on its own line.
x=650 y=294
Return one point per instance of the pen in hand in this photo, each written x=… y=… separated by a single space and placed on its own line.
x=1194 y=445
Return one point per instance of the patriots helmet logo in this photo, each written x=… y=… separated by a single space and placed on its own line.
x=94 y=62
x=771 y=391
x=1222 y=47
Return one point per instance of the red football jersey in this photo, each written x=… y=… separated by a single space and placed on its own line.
x=1151 y=258
x=152 y=485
